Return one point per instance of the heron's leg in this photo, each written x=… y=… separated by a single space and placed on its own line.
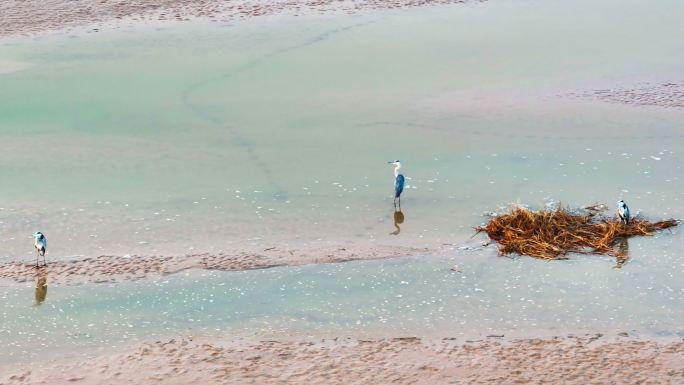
x=37 y=258
x=44 y=262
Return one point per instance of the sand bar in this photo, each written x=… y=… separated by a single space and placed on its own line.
x=119 y=268
x=666 y=94
x=407 y=360
x=36 y=16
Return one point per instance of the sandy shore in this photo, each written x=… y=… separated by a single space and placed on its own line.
x=669 y=94
x=35 y=16
x=121 y=268
x=569 y=360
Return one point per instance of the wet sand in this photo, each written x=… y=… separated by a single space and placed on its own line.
x=669 y=95
x=36 y=16
x=121 y=268
x=568 y=360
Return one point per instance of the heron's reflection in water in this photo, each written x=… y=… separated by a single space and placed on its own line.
x=41 y=285
x=623 y=253
x=398 y=219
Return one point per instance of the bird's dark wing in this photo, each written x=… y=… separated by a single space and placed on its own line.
x=398 y=186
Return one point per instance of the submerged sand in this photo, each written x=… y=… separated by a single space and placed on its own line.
x=569 y=360
x=123 y=268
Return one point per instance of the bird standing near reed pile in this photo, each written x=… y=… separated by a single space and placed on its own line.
x=398 y=182
x=623 y=211
x=40 y=243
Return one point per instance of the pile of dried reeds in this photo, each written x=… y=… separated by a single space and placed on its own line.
x=554 y=234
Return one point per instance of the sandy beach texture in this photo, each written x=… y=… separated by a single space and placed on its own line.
x=569 y=360
x=669 y=94
x=120 y=268
x=35 y=16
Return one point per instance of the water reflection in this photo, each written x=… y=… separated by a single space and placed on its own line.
x=41 y=285
x=623 y=253
x=398 y=219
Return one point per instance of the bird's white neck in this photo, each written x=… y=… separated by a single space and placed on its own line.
x=396 y=169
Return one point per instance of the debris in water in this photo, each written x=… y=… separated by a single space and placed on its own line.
x=553 y=234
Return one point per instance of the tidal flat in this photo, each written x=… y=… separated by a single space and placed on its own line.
x=218 y=203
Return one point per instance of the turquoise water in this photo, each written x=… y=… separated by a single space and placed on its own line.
x=272 y=132
x=263 y=132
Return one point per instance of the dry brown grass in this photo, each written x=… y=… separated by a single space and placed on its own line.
x=554 y=234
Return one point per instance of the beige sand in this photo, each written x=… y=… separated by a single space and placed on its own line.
x=35 y=16
x=586 y=360
x=670 y=94
x=118 y=268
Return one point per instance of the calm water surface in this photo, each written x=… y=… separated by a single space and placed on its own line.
x=278 y=132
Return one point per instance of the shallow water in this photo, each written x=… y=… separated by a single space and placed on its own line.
x=278 y=132
x=418 y=296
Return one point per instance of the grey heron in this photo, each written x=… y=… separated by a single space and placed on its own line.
x=623 y=212
x=40 y=243
x=398 y=182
